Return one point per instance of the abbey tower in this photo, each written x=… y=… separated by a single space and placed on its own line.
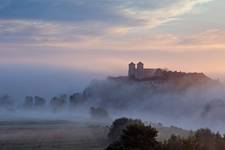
x=141 y=73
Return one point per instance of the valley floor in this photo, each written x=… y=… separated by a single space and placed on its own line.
x=62 y=135
x=51 y=135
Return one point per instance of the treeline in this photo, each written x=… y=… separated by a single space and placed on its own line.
x=128 y=134
x=57 y=103
x=6 y=102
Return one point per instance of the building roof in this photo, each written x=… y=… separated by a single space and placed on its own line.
x=140 y=63
x=131 y=63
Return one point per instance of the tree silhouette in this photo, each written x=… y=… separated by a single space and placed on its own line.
x=119 y=125
x=136 y=137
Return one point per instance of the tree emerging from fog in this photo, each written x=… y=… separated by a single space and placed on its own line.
x=136 y=137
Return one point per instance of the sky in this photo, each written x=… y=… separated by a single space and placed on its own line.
x=103 y=36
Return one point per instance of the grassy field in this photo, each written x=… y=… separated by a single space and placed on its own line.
x=62 y=135
x=51 y=135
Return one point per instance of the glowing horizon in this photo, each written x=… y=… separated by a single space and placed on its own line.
x=185 y=35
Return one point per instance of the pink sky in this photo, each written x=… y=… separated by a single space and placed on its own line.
x=187 y=35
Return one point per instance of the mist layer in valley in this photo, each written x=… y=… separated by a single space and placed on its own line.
x=191 y=107
x=179 y=103
x=19 y=81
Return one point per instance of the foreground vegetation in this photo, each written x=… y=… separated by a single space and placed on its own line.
x=128 y=134
x=123 y=134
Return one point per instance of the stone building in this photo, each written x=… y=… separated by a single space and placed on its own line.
x=140 y=73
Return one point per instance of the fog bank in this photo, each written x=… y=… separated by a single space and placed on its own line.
x=19 y=81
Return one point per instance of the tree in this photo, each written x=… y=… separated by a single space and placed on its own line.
x=118 y=126
x=6 y=102
x=39 y=102
x=99 y=114
x=136 y=137
x=76 y=99
x=203 y=139
x=58 y=103
x=28 y=102
x=140 y=137
x=116 y=146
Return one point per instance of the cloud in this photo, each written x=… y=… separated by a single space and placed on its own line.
x=61 y=10
x=33 y=31
x=58 y=21
x=126 y=12
x=212 y=39
x=155 y=17
x=102 y=36
x=209 y=37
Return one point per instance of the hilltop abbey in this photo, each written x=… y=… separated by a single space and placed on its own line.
x=138 y=72
x=141 y=73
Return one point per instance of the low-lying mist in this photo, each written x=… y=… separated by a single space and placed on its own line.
x=190 y=108
x=19 y=81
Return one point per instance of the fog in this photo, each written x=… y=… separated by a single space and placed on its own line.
x=76 y=92
x=190 y=108
x=19 y=81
